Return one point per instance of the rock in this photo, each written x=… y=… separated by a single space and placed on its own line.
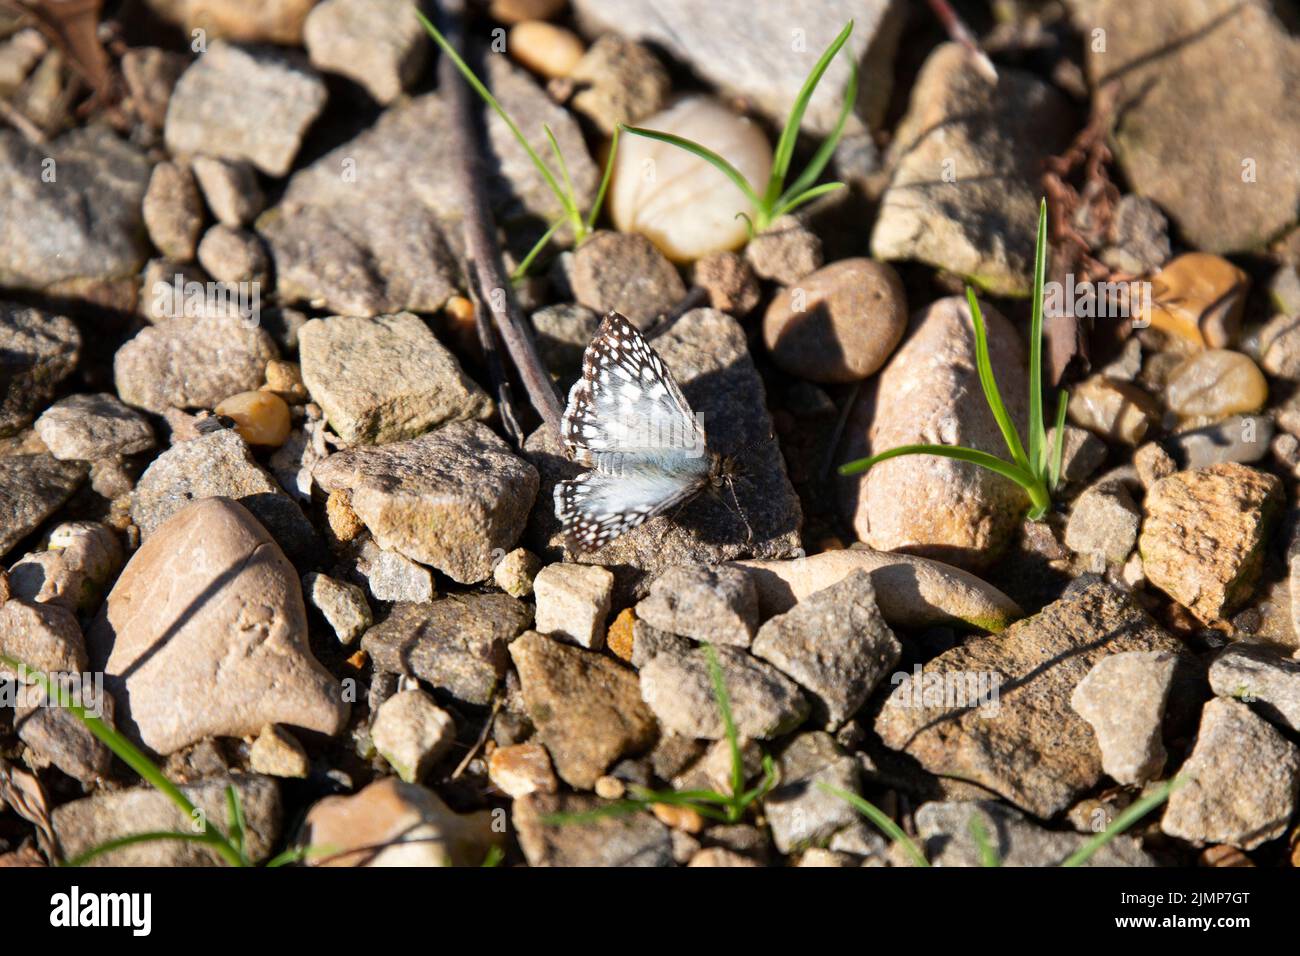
x=718 y=605
x=391 y=823
x=79 y=195
x=285 y=380
x=912 y=592
x=678 y=687
x=292 y=462
x=191 y=362
x=278 y=21
x=521 y=769
x=1118 y=411
x=1082 y=452
x=1279 y=347
x=1153 y=463
x=384 y=379
x=360 y=231
x=1104 y=522
x=37 y=351
x=343 y=605
x=93 y=821
x=966 y=163
x=33 y=487
x=835 y=645
x=513 y=11
x=1198 y=300
x=1204 y=536
x=205 y=634
x=43 y=636
x=1222 y=199
x=995 y=711
x=586 y=708
x=720 y=856
x=261 y=418
x=262 y=100
x=799 y=811
x=648 y=642
x=516 y=572
x=233 y=255
x=929 y=392
x=457 y=644
x=759 y=59
x=59 y=736
x=1138 y=237
x=707 y=353
x=393 y=577
x=220 y=464
x=449 y=498
x=572 y=603
x=1215 y=383
x=1242 y=780
x=684 y=205
x=563 y=332
x=1259 y=675
x=89 y=427
x=838 y=324
x=276 y=753
x=945 y=834
x=729 y=281
x=173 y=211
x=545 y=48
x=1239 y=438
x=412 y=733
x=786 y=251
x=624 y=272
x=83 y=557
x=1123 y=699
x=231 y=189
x=150 y=73
x=380 y=45
x=619 y=81
x=549 y=839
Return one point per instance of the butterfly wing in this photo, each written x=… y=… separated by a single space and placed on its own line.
x=598 y=506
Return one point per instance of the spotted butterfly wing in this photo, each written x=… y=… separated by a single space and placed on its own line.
x=628 y=420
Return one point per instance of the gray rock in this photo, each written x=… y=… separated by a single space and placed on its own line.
x=1242 y=780
x=230 y=188
x=1082 y=452
x=1023 y=741
x=1123 y=699
x=83 y=557
x=624 y=272
x=679 y=689
x=563 y=333
x=835 y=645
x=549 y=839
x=785 y=252
x=619 y=81
x=386 y=378
x=173 y=211
x=1240 y=438
x=718 y=605
x=393 y=577
x=360 y=231
x=456 y=644
x=1139 y=237
x=946 y=838
x=378 y=43
x=32 y=487
x=191 y=363
x=573 y=601
x=85 y=824
x=649 y=642
x=1103 y=522
x=150 y=74
x=1222 y=198
x=78 y=199
x=37 y=351
x=707 y=353
x=412 y=733
x=750 y=49
x=966 y=163
x=343 y=605
x=93 y=426
x=60 y=737
x=1259 y=675
x=799 y=811
x=449 y=499
x=251 y=103
x=43 y=636
x=586 y=707
x=233 y=255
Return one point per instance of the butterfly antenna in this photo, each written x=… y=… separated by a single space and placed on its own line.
x=740 y=512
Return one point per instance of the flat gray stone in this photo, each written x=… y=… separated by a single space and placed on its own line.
x=1261 y=676
x=88 y=427
x=380 y=44
x=718 y=605
x=798 y=810
x=1123 y=698
x=37 y=351
x=32 y=487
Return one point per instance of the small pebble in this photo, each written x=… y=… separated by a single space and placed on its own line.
x=610 y=788
x=343 y=605
x=730 y=282
x=619 y=81
x=521 y=769
x=515 y=572
x=233 y=255
x=261 y=418
x=284 y=378
x=1153 y=463
x=412 y=733
x=785 y=251
x=516 y=11
x=573 y=601
x=276 y=753
x=679 y=818
x=1116 y=410
x=619 y=637
x=545 y=48
x=1216 y=383
x=1199 y=298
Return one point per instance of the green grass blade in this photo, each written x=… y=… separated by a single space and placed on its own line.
x=477 y=86
x=1058 y=452
x=1037 y=434
x=990 y=385
x=235 y=814
x=604 y=180
x=805 y=197
x=571 y=204
x=880 y=819
x=790 y=134
x=1125 y=820
x=494 y=857
x=526 y=263
x=135 y=838
x=988 y=855
x=975 y=457
x=827 y=149
x=706 y=154
x=728 y=721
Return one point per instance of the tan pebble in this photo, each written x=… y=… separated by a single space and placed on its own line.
x=720 y=856
x=679 y=818
x=342 y=520
x=277 y=753
x=515 y=11
x=284 y=378
x=1199 y=297
x=1216 y=383
x=610 y=788
x=1118 y=411
x=1153 y=463
x=261 y=418
x=545 y=48
x=521 y=769
x=1224 y=856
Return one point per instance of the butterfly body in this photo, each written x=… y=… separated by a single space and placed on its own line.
x=628 y=421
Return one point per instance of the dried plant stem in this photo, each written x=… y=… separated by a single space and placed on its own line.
x=958 y=30
x=490 y=286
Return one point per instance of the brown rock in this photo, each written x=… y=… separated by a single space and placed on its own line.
x=626 y=273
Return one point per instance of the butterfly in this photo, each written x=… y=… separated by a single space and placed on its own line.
x=628 y=421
